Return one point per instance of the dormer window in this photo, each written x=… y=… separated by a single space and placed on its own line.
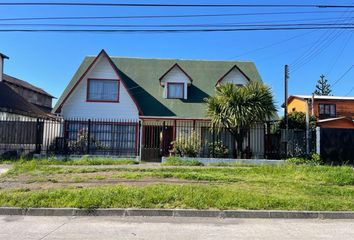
x=175 y=90
x=235 y=75
x=175 y=83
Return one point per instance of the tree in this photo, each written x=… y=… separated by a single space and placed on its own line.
x=323 y=88
x=297 y=120
x=238 y=108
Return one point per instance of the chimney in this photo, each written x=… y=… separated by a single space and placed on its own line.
x=2 y=58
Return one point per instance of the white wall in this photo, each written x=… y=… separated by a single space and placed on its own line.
x=15 y=117
x=77 y=107
x=176 y=75
x=235 y=77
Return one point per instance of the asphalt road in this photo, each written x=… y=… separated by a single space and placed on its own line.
x=19 y=227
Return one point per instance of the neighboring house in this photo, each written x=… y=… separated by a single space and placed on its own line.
x=25 y=118
x=20 y=99
x=156 y=92
x=330 y=111
x=31 y=93
x=12 y=105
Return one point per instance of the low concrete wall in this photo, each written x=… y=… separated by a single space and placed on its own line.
x=207 y=161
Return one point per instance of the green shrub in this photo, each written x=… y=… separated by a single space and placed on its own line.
x=313 y=160
x=175 y=161
x=297 y=120
x=187 y=146
x=218 y=150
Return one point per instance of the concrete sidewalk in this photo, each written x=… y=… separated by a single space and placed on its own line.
x=28 y=227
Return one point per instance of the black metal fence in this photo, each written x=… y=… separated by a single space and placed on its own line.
x=198 y=138
x=149 y=139
x=20 y=136
x=69 y=137
x=293 y=143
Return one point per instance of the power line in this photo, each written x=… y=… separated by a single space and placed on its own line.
x=349 y=91
x=316 y=45
x=319 y=46
x=164 y=16
x=273 y=44
x=340 y=53
x=173 y=30
x=316 y=51
x=248 y=22
x=343 y=75
x=88 y=4
x=175 y=25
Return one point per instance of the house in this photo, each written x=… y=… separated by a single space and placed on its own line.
x=163 y=95
x=14 y=105
x=330 y=111
x=25 y=118
x=21 y=99
x=31 y=93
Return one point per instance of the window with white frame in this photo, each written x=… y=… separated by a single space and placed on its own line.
x=175 y=90
x=103 y=90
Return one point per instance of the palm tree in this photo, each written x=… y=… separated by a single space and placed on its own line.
x=238 y=108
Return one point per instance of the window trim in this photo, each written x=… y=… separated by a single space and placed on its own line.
x=323 y=116
x=106 y=101
x=175 y=83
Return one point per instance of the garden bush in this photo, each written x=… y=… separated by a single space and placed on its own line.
x=187 y=146
x=313 y=160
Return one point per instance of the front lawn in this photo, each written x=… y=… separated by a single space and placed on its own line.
x=290 y=187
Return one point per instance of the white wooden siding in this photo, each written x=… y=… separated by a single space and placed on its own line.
x=235 y=77
x=77 y=107
x=176 y=75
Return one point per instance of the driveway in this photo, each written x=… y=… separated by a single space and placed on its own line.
x=20 y=227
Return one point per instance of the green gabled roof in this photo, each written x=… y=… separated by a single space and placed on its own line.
x=141 y=76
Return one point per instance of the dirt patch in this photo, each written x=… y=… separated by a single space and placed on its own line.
x=114 y=175
x=14 y=184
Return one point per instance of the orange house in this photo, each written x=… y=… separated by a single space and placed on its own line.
x=330 y=111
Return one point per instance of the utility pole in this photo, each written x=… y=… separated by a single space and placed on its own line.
x=307 y=128
x=286 y=77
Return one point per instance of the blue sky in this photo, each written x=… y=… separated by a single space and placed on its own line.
x=49 y=60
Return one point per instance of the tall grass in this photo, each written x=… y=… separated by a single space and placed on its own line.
x=288 y=187
x=181 y=196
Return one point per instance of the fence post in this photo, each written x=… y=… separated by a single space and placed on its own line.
x=88 y=135
x=163 y=139
x=318 y=140
x=307 y=129
x=140 y=137
x=213 y=132
x=38 y=137
x=266 y=132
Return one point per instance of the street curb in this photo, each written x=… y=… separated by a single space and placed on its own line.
x=121 y=212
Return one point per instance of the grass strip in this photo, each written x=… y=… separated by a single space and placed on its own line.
x=186 y=196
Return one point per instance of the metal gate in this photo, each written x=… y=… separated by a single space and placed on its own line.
x=156 y=141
